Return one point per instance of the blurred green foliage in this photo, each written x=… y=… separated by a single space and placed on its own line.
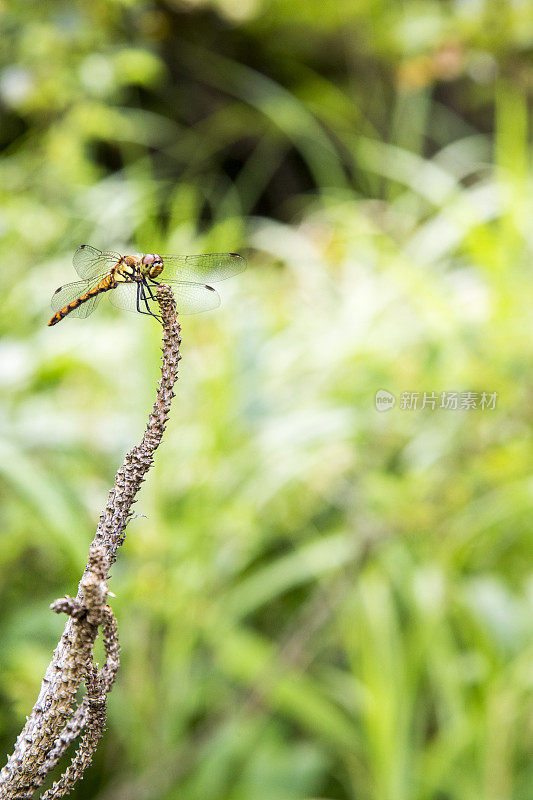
x=317 y=599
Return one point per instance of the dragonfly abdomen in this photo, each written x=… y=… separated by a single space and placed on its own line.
x=105 y=285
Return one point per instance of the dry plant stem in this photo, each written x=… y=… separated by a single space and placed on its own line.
x=94 y=729
x=107 y=675
x=52 y=725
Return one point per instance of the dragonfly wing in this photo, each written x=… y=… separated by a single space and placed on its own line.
x=202 y=269
x=71 y=291
x=90 y=262
x=125 y=296
x=191 y=298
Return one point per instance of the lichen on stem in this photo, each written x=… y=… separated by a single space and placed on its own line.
x=54 y=722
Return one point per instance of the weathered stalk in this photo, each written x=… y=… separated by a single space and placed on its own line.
x=53 y=724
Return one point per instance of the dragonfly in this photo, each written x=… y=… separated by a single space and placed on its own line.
x=132 y=281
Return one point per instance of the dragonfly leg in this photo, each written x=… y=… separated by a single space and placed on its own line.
x=141 y=291
x=150 y=289
x=140 y=297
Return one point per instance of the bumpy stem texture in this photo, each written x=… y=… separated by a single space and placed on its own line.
x=52 y=724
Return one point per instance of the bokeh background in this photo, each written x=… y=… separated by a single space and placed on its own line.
x=317 y=599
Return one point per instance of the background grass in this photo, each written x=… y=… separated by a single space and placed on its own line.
x=317 y=600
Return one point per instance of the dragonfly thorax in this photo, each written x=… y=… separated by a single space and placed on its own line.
x=151 y=265
x=127 y=269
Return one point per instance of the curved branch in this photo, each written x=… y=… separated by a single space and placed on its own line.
x=52 y=724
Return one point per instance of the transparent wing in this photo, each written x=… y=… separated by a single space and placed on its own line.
x=90 y=262
x=192 y=298
x=208 y=268
x=71 y=291
x=125 y=296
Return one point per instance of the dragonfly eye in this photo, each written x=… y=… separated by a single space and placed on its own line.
x=149 y=259
x=152 y=265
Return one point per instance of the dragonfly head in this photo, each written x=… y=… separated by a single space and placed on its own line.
x=152 y=265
